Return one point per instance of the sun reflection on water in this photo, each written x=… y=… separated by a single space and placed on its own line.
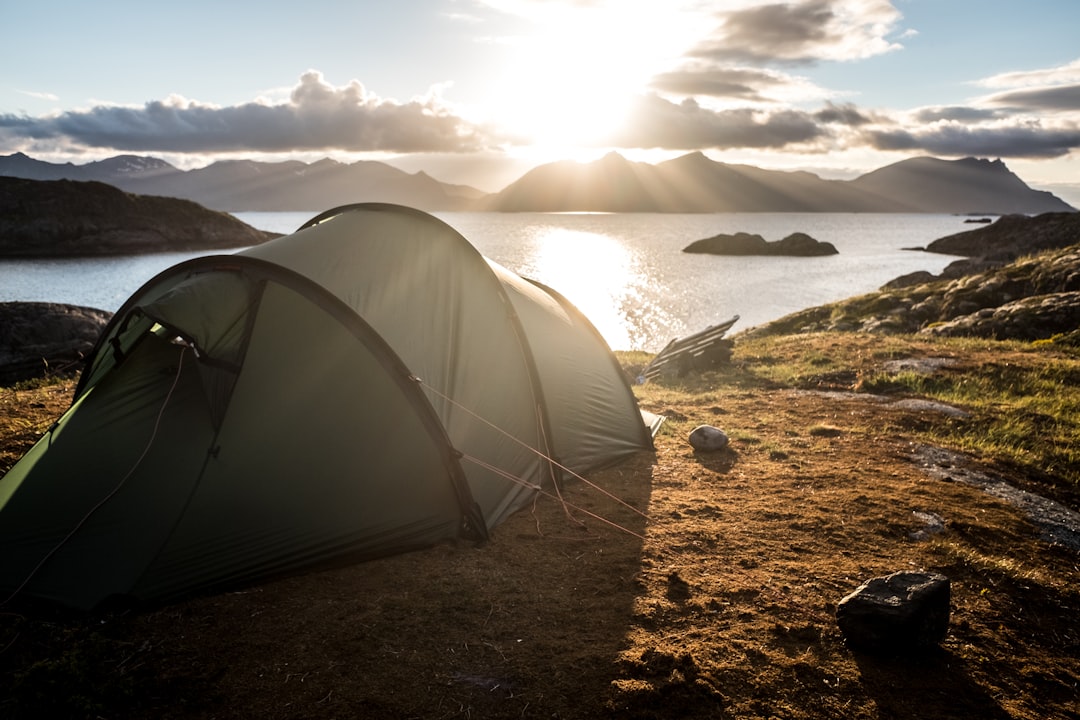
x=596 y=272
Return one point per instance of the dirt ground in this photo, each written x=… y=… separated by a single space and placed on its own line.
x=720 y=605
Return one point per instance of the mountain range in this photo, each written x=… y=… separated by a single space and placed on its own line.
x=691 y=183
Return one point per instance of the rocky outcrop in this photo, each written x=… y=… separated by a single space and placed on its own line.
x=65 y=218
x=797 y=244
x=1013 y=236
x=1031 y=318
x=42 y=338
x=1034 y=298
x=1021 y=281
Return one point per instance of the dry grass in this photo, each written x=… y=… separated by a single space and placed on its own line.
x=725 y=608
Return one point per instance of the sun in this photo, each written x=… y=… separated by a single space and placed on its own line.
x=571 y=83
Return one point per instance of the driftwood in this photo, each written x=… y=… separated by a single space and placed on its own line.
x=693 y=352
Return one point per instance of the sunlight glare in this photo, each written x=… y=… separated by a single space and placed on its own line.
x=595 y=272
x=572 y=81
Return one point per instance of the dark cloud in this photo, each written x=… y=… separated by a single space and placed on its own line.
x=734 y=83
x=794 y=33
x=657 y=123
x=782 y=31
x=952 y=140
x=1060 y=97
x=318 y=116
x=846 y=114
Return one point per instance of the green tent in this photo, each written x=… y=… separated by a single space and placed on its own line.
x=368 y=385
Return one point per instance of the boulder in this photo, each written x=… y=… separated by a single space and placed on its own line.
x=898 y=613
x=707 y=438
x=39 y=338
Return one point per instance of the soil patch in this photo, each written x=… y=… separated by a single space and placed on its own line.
x=720 y=605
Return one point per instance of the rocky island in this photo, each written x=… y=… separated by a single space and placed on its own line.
x=741 y=243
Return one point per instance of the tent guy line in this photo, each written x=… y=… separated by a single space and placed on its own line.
x=541 y=455
x=557 y=498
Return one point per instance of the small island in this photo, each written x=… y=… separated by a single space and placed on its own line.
x=741 y=243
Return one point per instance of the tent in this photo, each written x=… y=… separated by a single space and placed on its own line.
x=369 y=385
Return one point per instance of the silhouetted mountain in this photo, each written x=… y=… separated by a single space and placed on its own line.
x=690 y=183
x=970 y=185
x=237 y=185
x=694 y=183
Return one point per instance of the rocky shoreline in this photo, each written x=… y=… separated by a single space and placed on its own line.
x=38 y=338
x=1022 y=282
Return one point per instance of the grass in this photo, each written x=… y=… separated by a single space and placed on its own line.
x=1023 y=398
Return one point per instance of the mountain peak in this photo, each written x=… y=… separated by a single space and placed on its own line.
x=690 y=183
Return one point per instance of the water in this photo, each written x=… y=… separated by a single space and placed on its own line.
x=626 y=272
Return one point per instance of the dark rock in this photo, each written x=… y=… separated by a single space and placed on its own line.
x=899 y=613
x=66 y=218
x=1013 y=236
x=38 y=339
x=919 y=277
x=796 y=244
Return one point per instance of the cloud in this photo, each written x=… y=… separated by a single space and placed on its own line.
x=658 y=123
x=959 y=113
x=727 y=82
x=1027 y=141
x=39 y=95
x=1041 y=92
x=802 y=32
x=317 y=116
x=1064 y=74
x=1060 y=97
x=846 y=114
x=748 y=84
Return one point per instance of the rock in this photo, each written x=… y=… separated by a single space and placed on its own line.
x=707 y=438
x=797 y=244
x=1031 y=318
x=1013 y=236
x=898 y=613
x=919 y=277
x=1033 y=298
x=40 y=338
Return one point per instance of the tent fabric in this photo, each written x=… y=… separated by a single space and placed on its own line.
x=368 y=385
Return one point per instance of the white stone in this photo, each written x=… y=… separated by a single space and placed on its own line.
x=708 y=438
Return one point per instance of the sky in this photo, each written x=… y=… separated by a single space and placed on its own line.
x=479 y=91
